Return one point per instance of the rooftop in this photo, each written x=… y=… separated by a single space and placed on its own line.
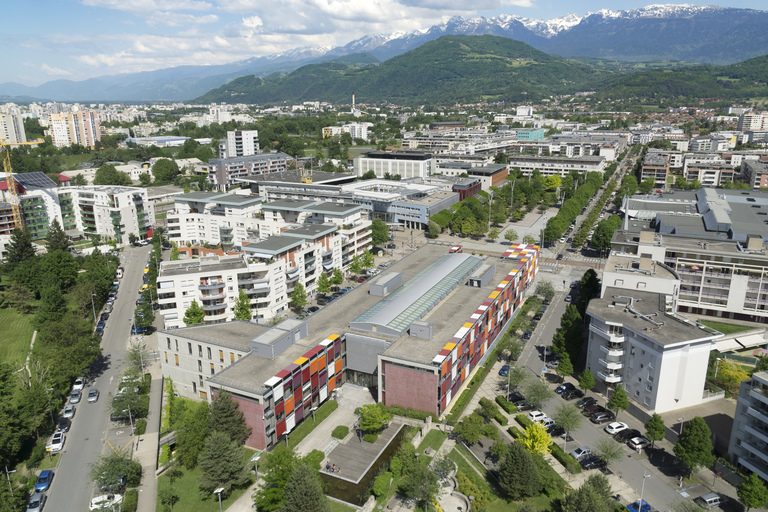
x=236 y=335
x=224 y=199
x=203 y=264
x=294 y=176
x=273 y=245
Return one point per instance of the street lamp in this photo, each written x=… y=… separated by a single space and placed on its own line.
x=93 y=308
x=642 y=489
x=50 y=409
x=8 y=476
x=218 y=492
x=681 y=420
x=717 y=366
x=471 y=500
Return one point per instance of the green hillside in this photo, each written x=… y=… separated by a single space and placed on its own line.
x=450 y=69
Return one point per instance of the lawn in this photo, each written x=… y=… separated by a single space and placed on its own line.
x=17 y=333
x=186 y=488
x=725 y=328
x=339 y=507
x=433 y=440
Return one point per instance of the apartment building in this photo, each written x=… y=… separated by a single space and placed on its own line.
x=655 y=167
x=200 y=217
x=748 y=447
x=12 y=128
x=403 y=163
x=355 y=130
x=79 y=127
x=710 y=174
x=239 y=143
x=556 y=165
x=755 y=173
x=675 y=158
x=223 y=172
x=752 y=121
x=490 y=175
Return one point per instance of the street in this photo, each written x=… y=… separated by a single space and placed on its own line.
x=71 y=489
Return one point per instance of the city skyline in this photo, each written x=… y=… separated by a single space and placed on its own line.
x=81 y=39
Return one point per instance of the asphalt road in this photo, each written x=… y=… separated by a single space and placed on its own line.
x=71 y=489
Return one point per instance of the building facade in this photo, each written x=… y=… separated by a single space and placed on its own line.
x=200 y=217
x=406 y=164
x=748 y=447
x=224 y=172
x=79 y=127
x=239 y=143
x=12 y=128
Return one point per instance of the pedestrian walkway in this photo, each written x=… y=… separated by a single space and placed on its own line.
x=146 y=445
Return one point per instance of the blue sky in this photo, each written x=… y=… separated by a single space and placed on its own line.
x=46 y=40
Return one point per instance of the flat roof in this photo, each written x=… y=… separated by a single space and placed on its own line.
x=272 y=245
x=334 y=208
x=289 y=204
x=225 y=199
x=294 y=176
x=203 y=264
x=647 y=310
x=431 y=199
x=236 y=334
x=311 y=230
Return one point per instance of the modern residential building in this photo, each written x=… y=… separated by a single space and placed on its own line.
x=748 y=448
x=710 y=174
x=395 y=344
x=223 y=172
x=490 y=175
x=556 y=165
x=79 y=127
x=12 y=128
x=656 y=167
x=406 y=164
x=355 y=130
x=755 y=173
x=239 y=143
x=751 y=121
x=200 y=217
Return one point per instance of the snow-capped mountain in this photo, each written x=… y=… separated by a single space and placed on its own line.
x=305 y=52
x=549 y=28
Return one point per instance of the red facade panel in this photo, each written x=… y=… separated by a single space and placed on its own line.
x=253 y=412
x=411 y=388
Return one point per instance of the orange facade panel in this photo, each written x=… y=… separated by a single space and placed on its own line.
x=313 y=367
x=321 y=362
x=338 y=366
x=289 y=406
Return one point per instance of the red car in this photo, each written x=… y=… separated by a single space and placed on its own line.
x=361 y=279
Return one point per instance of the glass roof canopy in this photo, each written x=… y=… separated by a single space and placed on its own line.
x=394 y=314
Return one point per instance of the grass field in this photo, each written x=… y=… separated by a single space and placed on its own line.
x=433 y=440
x=339 y=507
x=725 y=328
x=17 y=333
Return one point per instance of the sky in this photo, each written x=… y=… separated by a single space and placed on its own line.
x=45 y=40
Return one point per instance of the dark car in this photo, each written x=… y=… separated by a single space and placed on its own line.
x=602 y=417
x=547 y=301
x=592 y=462
x=627 y=434
x=527 y=335
x=572 y=394
x=566 y=386
x=322 y=302
x=591 y=409
x=586 y=401
x=537 y=316
x=504 y=370
x=101 y=324
x=313 y=309
x=515 y=397
x=104 y=317
x=140 y=301
x=100 y=333
x=391 y=246
x=559 y=257
x=555 y=430
x=63 y=424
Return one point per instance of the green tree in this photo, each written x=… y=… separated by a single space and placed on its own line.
x=493 y=233
x=19 y=298
x=145 y=179
x=517 y=376
x=226 y=417
x=537 y=393
x=109 y=175
x=303 y=492
x=594 y=495
x=165 y=171
x=337 y=278
x=694 y=449
x=11 y=428
x=647 y=185
x=518 y=475
x=510 y=235
x=174 y=253
x=752 y=492
x=194 y=315
x=78 y=180
x=57 y=240
x=421 y=485
x=52 y=306
x=608 y=450
x=356 y=267
x=762 y=364
x=619 y=401
x=552 y=182
x=275 y=468
x=323 y=284
x=373 y=417
x=109 y=468
x=586 y=380
x=242 y=307
x=569 y=417
x=299 y=297
x=730 y=374
x=565 y=367
x=655 y=429
x=545 y=290
x=379 y=232
x=167 y=495
x=191 y=434
x=528 y=239
x=470 y=428
x=433 y=229
x=144 y=315
x=19 y=249
x=221 y=464
x=535 y=439
x=132 y=238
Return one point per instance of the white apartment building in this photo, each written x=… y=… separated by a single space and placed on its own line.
x=753 y=121
x=406 y=164
x=12 y=128
x=223 y=172
x=710 y=174
x=239 y=143
x=748 y=447
x=355 y=130
x=200 y=217
x=656 y=167
x=555 y=165
x=80 y=127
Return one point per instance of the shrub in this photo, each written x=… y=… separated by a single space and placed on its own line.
x=396 y=467
x=523 y=420
x=515 y=432
x=340 y=432
x=565 y=459
x=381 y=484
x=37 y=455
x=146 y=384
x=165 y=455
x=315 y=459
x=140 y=427
x=552 y=484
x=416 y=414
x=370 y=438
x=459 y=407
x=506 y=404
x=307 y=426
x=131 y=500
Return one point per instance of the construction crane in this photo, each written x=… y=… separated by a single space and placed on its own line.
x=15 y=207
x=306 y=174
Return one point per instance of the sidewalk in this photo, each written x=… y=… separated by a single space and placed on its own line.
x=146 y=451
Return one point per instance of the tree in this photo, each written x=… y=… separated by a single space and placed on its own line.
x=730 y=374
x=299 y=297
x=433 y=229
x=470 y=428
x=221 y=464
x=537 y=393
x=109 y=175
x=57 y=240
x=513 y=350
x=498 y=451
x=569 y=417
x=373 y=417
x=337 y=278
x=647 y=185
x=191 y=433
x=379 y=232
x=493 y=234
x=594 y=495
x=165 y=171
x=762 y=364
x=421 y=485
x=694 y=449
x=323 y=284
x=303 y=492
x=619 y=401
x=517 y=376
x=510 y=235
x=168 y=496
x=109 y=468
x=11 y=428
x=144 y=315
x=552 y=182
x=518 y=475
x=132 y=238
x=52 y=307
x=535 y=439
x=242 y=307
x=194 y=315
x=565 y=367
x=655 y=429
x=78 y=180
x=356 y=267
x=752 y=492
x=608 y=450
x=545 y=290
x=586 y=380
x=19 y=249
x=276 y=468
x=528 y=239
x=145 y=179
x=19 y=298
x=227 y=417
x=443 y=466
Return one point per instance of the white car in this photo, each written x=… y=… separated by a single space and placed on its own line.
x=581 y=452
x=57 y=442
x=536 y=416
x=105 y=501
x=615 y=427
x=562 y=240
x=79 y=383
x=553 y=364
x=69 y=411
x=638 y=442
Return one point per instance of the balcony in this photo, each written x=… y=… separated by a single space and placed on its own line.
x=755 y=465
x=211 y=285
x=219 y=295
x=759 y=394
x=310 y=260
x=610 y=378
x=757 y=431
x=214 y=307
x=253 y=281
x=612 y=365
x=292 y=279
x=612 y=337
x=760 y=414
x=613 y=350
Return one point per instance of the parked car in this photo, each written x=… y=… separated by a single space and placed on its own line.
x=361 y=279
x=602 y=417
x=100 y=325
x=112 y=485
x=553 y=364
x=588 y=410
x=79 y=383
x=122 y=416
x=106 y=501
x=313 y=309
x=523 y=406
x=615 y=427
x=75 y=396
x=93 y=395
x=527 y=335
x=104 y=317
x=626 y=435
x=63 y=424
x=504 y=370
x=586 y=401
x=592 y=462
x=582 y=452
x=537 y=316
x=547 y=301
x=637 y=443
x=44 y=480
x=391 y=245
x=572 y=394
x=565 y=386
x=57 y=442
x=555 y=430
x=69 y=411
x=559 y=257
x=515 y=397
x=568 y=298
x=137 y=330
x=536 y=416
x=100 y=333
x=36 y=502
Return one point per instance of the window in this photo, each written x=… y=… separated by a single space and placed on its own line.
x=221 y=356
x=166 y=356
x=199 y=365
x=209 y=353
x=169 y=342
x=648 y=387
x=239 y=356
x=213 y=370
x=231 y=357
x=637 y=393
x=647 y=401
x=189 y=348
x=639 y=379
x=176 y=357
x=194 y=387
x=203 y=395
x=200 y=380
x=177 y=345
x=199 y=351
x=641 y=366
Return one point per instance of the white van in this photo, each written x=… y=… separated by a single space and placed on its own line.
x=709 y=500
x=119 y=273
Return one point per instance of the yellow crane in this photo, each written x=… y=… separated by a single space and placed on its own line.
x=17 y=219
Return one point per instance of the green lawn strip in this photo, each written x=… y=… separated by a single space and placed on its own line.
x=308 y=425
x=541 y=502
x=340 y=507
x=474 y=462
x=725 y=328
x=48 y=462
x=433 y=440
x=190 y=499
x=17 y=334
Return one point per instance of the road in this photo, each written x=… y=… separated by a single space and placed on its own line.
x=71 y=489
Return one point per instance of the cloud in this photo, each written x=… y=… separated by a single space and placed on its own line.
x=176 y=19
x=148 y=7
x=51 y=71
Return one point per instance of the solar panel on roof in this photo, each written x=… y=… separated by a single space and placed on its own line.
x=30 y=180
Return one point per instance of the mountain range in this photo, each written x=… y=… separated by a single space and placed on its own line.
x=709 y=34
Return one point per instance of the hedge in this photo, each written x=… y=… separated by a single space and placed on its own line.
x=340 y=432
x=515 y=432
x=131 y=500
x=565 y=459
x=416 y=414
x=140 y=427
x=308 y=425
x=523 y=420
x=505 y=404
